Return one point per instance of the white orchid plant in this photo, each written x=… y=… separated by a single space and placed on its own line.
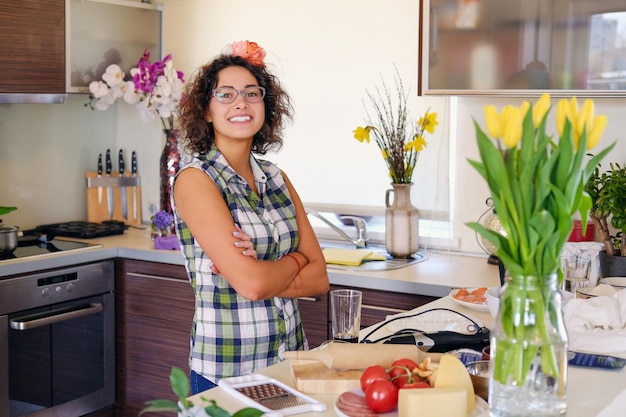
x=156 y=89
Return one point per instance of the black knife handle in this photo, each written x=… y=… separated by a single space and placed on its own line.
x=443 y=341
x=133 y=163
x=109 y=164
x=121 y=163
x=100 y=165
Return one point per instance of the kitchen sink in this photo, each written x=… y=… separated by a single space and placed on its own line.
x=388 y=264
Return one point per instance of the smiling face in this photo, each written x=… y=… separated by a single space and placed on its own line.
x=238 y=120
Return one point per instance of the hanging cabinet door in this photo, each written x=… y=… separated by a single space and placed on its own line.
x=32 y=46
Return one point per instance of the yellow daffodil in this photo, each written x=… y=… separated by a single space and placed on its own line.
x=399 y=143
x=362 y=134
x=540 y=109
x=428 y=122
x=417 y=144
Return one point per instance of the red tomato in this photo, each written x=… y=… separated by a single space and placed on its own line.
x=371 y=374
x=401 y=371
x=382 y=396
x=418 y=384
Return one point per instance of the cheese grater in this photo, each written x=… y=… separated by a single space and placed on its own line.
x=269 y=395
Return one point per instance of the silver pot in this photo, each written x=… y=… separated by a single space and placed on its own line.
x=8 y=239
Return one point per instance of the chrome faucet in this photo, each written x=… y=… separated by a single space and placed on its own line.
x=359 y=223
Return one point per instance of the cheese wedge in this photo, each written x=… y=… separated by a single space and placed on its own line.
x=432 y=402
x=451 y=373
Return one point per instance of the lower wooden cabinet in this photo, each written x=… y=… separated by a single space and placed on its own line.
x=154 y=313
x=313 y=313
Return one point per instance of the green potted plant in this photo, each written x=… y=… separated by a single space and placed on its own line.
x=608 y=214
x=185 y=408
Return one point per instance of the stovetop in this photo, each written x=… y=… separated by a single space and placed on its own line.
x=29 y=246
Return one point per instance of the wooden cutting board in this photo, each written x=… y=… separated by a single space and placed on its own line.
x=313 y=377
x=334 y=368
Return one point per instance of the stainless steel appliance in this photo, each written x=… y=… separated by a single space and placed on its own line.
x=57 y=341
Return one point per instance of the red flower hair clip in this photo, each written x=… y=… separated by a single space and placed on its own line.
x=250 y=51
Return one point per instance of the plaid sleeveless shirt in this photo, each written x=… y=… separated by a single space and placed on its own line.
x=231 y=335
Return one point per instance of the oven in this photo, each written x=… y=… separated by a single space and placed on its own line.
x=57 y=341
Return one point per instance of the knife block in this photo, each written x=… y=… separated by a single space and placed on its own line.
x=97 y=212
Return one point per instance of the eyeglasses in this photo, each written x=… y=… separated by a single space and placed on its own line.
x=227 y=95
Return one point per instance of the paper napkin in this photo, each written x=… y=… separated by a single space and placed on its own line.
x=597 y=324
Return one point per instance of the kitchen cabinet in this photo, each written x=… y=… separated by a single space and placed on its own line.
x=311 y=310
x=522 y=47
x=94 y=43
x=32 y=47
x=154 y=312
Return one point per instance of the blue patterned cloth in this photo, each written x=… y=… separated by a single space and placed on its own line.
x=231 y=335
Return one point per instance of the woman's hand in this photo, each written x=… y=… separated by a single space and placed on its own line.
x=242 y=241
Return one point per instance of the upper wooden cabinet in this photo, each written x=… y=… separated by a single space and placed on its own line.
x=523 y=47
x=52 y=47
x=32 y=46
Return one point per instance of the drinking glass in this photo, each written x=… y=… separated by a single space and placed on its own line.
x=577 y=272
x=346 y=315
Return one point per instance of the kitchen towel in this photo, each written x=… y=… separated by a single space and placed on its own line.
x=350 y=257
x=597 y=324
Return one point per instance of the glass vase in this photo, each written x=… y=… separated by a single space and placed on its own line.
x=169 y=166
x=529 y=350
x=401 y=222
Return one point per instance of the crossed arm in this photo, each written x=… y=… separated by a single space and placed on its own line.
x=201 y=206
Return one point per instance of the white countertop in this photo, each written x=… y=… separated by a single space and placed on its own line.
x=589 y=390
x=433 y=277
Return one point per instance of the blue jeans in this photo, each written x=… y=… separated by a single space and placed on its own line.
x=199 y=383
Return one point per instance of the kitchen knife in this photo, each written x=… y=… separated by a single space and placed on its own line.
x=109 y=168
x=99 y=176
x=133 y=170
x=123 y=189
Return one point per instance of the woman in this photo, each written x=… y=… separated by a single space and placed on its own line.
x=249 y=247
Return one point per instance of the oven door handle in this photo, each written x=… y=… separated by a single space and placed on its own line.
x=33 y=321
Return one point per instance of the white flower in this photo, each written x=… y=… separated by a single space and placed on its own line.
x=98 y=89
x=156 y=89
x=113 y=75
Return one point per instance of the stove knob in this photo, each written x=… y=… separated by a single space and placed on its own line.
x=69 y=287
x=45 y=292
x=58 y=290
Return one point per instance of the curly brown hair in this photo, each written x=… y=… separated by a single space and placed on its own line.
x=199 y=135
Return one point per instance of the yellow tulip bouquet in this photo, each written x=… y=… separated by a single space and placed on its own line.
x=537 y=184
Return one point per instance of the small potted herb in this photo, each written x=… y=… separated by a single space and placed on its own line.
x=185 y=408
x=608 y=213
